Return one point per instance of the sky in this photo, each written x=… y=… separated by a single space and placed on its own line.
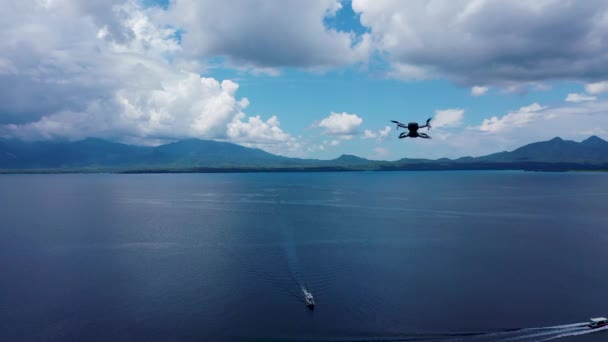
x=312 y=79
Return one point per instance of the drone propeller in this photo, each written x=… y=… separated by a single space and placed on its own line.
x=428 y=123
x=397 y=123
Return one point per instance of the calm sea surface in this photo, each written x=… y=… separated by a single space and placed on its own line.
x=387 y=255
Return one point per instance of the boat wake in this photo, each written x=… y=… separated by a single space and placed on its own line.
x=529 y=334
x=293 y=266
x=576 y=333
x=547 y=333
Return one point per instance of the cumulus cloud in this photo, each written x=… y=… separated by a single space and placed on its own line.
x=384 y=132
x=324 y=145
x=184 y=105
x=479 y=90
x=367 y=134
x=255 y=132
x=73 y=69
x=513 y=120
x=448 y=118
x=574 y=97
x=341 y=124
x=379 y=135
x=597 y=87
x=266 y=33
x=494 y=42
x=70 y=53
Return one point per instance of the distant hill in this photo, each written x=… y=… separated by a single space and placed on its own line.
x=98 y=153
x=593 y=150
x=15 y=154
x=194 y=155
x=347 y=160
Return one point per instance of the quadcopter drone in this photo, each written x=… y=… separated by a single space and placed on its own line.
x=412 y=128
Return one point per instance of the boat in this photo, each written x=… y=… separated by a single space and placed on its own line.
x=598 y=322
x=310 y=301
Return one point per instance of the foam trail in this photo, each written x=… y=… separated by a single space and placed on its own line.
x=516 y=333
x=292 y=258
x=548 y=332
x=581 y=324
x=528 y=334
x=289 y=247
x=588 y=331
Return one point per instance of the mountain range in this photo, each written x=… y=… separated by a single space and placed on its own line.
x=194 y=155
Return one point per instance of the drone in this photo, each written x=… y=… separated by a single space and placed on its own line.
x=412 y=128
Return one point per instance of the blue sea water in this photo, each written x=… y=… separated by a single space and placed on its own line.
x=387 y=255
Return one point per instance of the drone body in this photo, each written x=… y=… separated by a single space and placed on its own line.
x=412 y=128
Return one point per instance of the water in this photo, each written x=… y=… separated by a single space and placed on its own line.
x=387 y=255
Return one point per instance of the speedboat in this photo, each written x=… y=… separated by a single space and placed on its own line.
x=598 y=322
x=310 y=301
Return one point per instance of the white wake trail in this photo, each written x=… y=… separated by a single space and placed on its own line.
x=576 y=333
x=518 y=332
x=581 y=324
x=548 y=331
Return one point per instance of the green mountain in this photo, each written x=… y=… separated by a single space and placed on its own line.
x=15 y=154
x=593 y=150
x=350 y=161
x=208 y=153
x=98 y=153
x=194 y=155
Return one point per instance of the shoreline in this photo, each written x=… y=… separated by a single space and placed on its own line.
x=415 y=167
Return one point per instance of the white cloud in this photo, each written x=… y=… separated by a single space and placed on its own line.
x=326 y=144
x=448 y=118
x=367 y=134
x=265 y=34
x=183 y=105
x=111 y=70
x=342 y=124
x=62 y=63
x=597 y=88
x=380 y=134
x=266 y=135
x=479 y=90
x=513 y=120
x=490 y=42
x=384 y=132
x=573 y=97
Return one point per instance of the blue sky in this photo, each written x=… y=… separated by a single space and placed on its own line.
x=306 y=78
